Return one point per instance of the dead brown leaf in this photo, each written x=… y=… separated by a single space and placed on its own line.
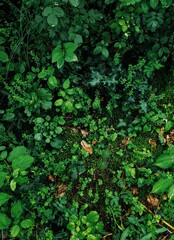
x=170 y=137
x=51 y=178
x=84 y=133
x=75 y=130
x=135 y=190
x=61 y=190
x=152 y=142
x=153 y=201
x=125 y=141
x=86 y=147
x=161 y=133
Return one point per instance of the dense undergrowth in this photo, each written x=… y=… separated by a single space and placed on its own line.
x=86 y=119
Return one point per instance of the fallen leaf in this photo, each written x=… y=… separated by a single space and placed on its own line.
x=125 y=141
x=152 y=142
x=74 y=130
x=84 y=133
x=134 y=190
x=170 y=137
x=153 y=201
x=61 y=190
x=165 y=197
x=51 y=178
x=86 y=147
x=94 y=142
x=161 y=133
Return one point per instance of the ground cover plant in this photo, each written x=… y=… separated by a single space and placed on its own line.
x=86 y=119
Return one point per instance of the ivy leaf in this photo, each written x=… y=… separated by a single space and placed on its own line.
x=92 y=217
x=154 y=3
x=162 y=185
x=3 y=56
x=74 y=3
x=52 y=20
x=4 y=198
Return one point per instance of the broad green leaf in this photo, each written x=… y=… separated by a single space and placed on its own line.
x=97 y=50
x=2 y=178
x=92 y=216
x=99 y=226
x=46 y=105
x=61 y=121
x=4 y=198
x=16 y=210
x=105 y=52
x=56 y=143
x=70 y=47
x=171 y=193
x=121 y=22
x=47 y=11
x=58 y=56
x=58 y=102
x=22 y=162
x=78 y=39
x=15 y=230
x=71 y=57
x=27 y=223
x=52 y=20
x=162 y=185
x=13 y=185
x=3 y=155
x=154 y=3
x=8 y=117
x=52 y=82
x=58 y=11
x=4 y=221
x=69 y=106
x=165 y=161
x=74 y=3
x=3 y=56
x=66 y=84
x=2 y=40
x=169 y=125
x=58 y=130
x=125 y=234
x=17 y=152
x=145 y=7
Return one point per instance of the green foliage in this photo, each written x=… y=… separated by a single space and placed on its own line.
x=86 y=123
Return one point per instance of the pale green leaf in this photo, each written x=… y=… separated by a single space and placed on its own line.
x=171 y=193
x=69 y=106
x=162 y=185
x=15 y=231
x=58 y=102
x=92 y=216
x=165 y=161
x=52 y=82
x=66 y=84
x=27 y=223
x=13 y=185
x=22 y=162
x=71 y=57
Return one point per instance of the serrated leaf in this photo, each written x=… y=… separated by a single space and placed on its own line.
x=171 y=193
x=154 y=3
x=3 y=57
x=16 y=210
x=4 y=221
x=162 y=185
x=52 y=20
x=4 y=198
x=66 y=84
x=47 y=11
x=27 y=223
x=74 y=3
x=15 y=230
x=70 y=47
